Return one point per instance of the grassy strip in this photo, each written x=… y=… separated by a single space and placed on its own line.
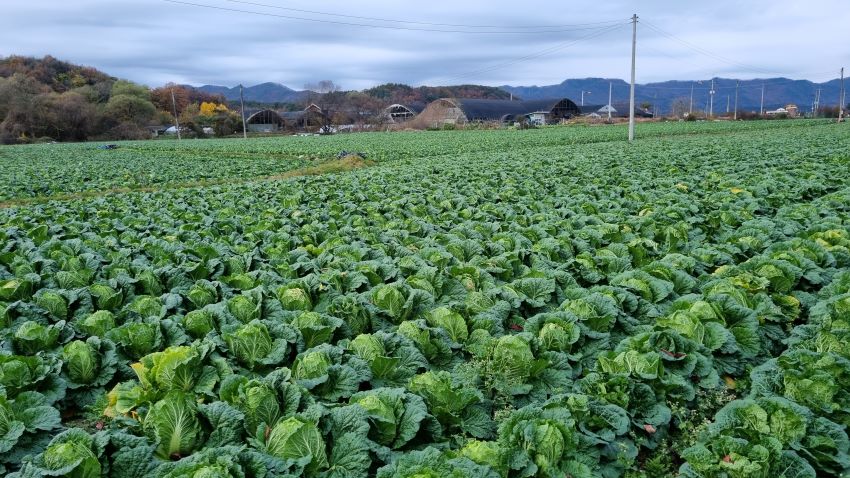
x=346 y=164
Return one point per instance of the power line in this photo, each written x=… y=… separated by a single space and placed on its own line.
x=384 y=27
x=532 y=56
x=414 y=22
x=703 y=51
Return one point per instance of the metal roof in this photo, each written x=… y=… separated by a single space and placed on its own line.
x=498 y=110
x=621 y=110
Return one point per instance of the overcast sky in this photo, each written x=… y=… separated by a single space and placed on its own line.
x=157 y=41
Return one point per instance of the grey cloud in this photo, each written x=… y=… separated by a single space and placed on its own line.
x=153 y=41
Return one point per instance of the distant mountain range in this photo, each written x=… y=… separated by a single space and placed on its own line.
x=262 y=93
x=777 y=92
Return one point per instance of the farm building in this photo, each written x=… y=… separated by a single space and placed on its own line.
x=264 y=121
x=618 y=110
x=305 y=120
x=464 y=110
x=270 y=121
x=397 y=113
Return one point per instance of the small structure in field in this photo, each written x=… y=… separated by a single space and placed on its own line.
x=398 y=113
x=466 y=110
x=777 y=112
x=792 y=110
x=264 y=121
x=618 y=110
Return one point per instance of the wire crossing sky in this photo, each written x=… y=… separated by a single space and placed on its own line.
x=493 y=42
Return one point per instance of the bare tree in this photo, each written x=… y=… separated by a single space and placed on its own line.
x=680 y=107
x=328 y=96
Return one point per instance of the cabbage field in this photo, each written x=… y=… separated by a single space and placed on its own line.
x=473 y=304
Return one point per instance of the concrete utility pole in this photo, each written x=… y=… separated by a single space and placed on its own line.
x=610 y=92
x=582 y=96
x=632 y=89
x=691 y=108
x=728 y=100
x=817 y=104
x=761 y=110
x=242 y=103
x=841 y=98
x=843 y=91
x=711 y=100
x=737 y=82
x=176 y=121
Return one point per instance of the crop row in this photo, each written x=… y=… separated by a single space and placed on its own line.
x=55 y=169
x=542 y=311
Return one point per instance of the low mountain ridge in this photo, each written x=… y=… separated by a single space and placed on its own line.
x=263 y=93
x=777 y=92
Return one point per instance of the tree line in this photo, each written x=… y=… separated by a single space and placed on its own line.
x=46 y=99
x=50 y=100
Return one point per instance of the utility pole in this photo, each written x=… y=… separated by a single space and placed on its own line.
x=632 y=88
x=737 y=82
x=761 y=110
x=655 y=105
x=610 y=91
x=242 y=103
x=582 y=96
x=711 y=100
x=843 y=91
x=817 y=104
x=728 y=100
x=176 y=121
x=691 y=108
x=841 y=98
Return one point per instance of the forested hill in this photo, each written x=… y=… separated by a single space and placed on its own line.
x=45 y=99
x=390 y=92
x=404 y=94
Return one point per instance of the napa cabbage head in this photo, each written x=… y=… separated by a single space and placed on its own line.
x=32 y=337
x=450 y=321
x=395 y=416
x=300 y=440
x=202 y=294
x=250 y=343
x=173 y=423
x=175 y=368
x=81 y=362
x=70 y=454
x=512 y=359
x=10 y=427
x=316 y=328
x=245 y=308
x=20 y=372
x=556 y=332
x=198 y=323
x=446 y=400
x=261 y=406
x=311 y=365
x=368 y=347
x=97 y=324
x=382 y=414
x=137 y=339
x=106 y=298
x=294 y=297
x=487 y=453
x=147 y=306
x=538 y=441
x=54 y=303
x=389 y=299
